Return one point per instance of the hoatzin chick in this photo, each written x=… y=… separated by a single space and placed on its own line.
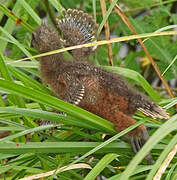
x=92 y=88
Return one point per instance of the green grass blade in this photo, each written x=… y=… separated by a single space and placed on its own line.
x=56 y=104
x=27 y=131
x=139 y=169
x=19 y=45
x=11 y=129
x=172 y=62
x=100 y=166
x=107 y=142
x=18 y=168
x=162 y=157
x=160 y=49
x=5 y=156
x=171 y=171
x=171 y=103
x=11 y=123
x=30 y=11
x=27 y=80
x=60 y=147
x=4 y=71
x=165 y=54
x=94 y=9
x=50 y=116
x=56 y=5
x=6 y=4
x=105 y=18
x=6 y=75
x=23 y=64
x=165 y=129
x=10 y=24
x=14 y=17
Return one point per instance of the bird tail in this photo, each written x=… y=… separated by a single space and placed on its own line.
x=78 y=28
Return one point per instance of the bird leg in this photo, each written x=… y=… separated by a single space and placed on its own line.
x=137 y=136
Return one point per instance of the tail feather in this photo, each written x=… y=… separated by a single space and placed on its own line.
x=78 y=28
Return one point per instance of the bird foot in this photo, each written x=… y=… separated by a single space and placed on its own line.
x=137 y=142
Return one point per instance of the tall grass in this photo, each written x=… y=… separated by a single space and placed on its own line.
x=78 y=138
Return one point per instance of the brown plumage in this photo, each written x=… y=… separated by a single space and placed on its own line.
x=93 y=88
x=78 y=28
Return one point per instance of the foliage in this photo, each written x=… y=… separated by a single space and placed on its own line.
x=31 y=149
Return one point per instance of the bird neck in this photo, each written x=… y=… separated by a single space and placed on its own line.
x=51 y=66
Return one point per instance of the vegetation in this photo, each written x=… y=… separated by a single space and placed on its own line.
x=76 y=146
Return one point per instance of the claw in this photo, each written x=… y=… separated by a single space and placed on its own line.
x=138 y=141
x=149 y=159
x=133 y=145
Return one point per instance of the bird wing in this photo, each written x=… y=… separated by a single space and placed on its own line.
x=75 y=87
x=78 y=28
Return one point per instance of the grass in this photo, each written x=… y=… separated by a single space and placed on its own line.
x=76 y=144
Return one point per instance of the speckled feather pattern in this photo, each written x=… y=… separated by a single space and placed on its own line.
x=67 y=79
x=93 y=88
x=78 y=28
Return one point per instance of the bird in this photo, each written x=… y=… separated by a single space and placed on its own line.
x=87 y=86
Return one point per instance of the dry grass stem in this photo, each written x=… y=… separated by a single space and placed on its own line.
x=127 y=22
x=99 y=43
x=107 y=32
x=65 y=168
x=165 y=164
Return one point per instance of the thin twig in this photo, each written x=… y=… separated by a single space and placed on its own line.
x=164 y=89
x=127 y=22
x=152 y=6
x=107 y=32
x=99 y=43
x=143 y=8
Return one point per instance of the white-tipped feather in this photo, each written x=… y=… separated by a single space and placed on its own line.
x=158 y=113
x=80 y=96
x=79 y=21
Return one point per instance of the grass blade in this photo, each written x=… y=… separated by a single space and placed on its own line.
x=165 y=129
x=30 y=11
x=100 y=166
x=162 y=157
x=56 y=104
